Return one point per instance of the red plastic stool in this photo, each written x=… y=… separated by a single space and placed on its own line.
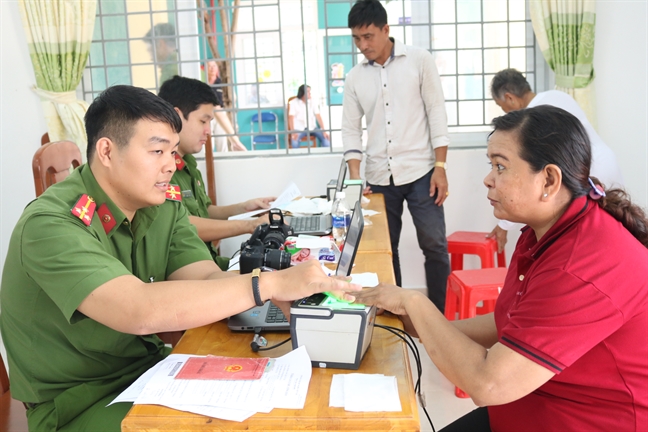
x=469 y=287
x=462 y=243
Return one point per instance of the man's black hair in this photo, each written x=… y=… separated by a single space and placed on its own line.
x=509 y=81
x=115 y=111
x=187 y=94
x=367 y=12
x=301 y=91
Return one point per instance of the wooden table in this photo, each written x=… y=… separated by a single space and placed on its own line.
x=375 y=237
x=386 y=355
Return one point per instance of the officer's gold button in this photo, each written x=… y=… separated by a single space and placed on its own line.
x=106 y=218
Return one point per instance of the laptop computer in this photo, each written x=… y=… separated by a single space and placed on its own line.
x=269 y=317
x=317 y=224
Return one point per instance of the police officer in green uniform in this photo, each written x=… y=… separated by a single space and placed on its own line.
x=194 y=101
x=107 y=258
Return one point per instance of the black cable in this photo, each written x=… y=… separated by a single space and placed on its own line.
x=259 y=342
x=419 y=369
x=232 y=257
x=275 y=346
x=417 y=358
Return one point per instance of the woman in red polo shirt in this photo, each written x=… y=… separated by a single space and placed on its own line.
x=567 y=346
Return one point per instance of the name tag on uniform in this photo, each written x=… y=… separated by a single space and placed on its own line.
x=187 y=194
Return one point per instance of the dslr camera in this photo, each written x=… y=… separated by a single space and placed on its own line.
x=265 y=248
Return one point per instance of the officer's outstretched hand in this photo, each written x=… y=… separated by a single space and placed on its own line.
x=307 y=279
x=304 y=280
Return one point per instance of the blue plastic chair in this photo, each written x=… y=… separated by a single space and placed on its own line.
x=266 y=117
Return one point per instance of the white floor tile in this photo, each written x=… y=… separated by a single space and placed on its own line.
x=442 y=404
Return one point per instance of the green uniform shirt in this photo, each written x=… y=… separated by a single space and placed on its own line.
x=194 y=196
x=54 y=261
x=190 y=180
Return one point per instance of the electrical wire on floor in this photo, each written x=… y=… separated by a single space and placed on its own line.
x=419 y=369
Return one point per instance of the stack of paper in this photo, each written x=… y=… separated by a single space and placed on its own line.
x=365 y=392
x=290 y=193
x=285 y=385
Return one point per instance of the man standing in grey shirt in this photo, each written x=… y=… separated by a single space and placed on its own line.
x=398 y=91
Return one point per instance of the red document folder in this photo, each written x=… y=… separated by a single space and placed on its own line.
x=223 y=368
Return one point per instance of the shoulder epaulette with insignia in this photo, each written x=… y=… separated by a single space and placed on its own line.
x=180 y=163
x=84 y=209
x=173 y=193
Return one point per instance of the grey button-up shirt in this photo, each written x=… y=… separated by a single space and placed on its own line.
x=404 y=107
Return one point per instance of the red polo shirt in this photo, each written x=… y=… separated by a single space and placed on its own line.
x=576 y=302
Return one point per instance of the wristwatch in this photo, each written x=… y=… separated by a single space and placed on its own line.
x=441 y=165
x=255 y=287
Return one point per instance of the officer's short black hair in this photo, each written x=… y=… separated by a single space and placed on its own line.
x=367 y=12
x=187 y=94
x=509 y=81
x=115 y=111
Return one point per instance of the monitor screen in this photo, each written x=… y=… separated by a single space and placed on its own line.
x=340 y=179
x=354 y=233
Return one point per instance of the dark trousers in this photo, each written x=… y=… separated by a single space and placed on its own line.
x=475 y=421
x=429 y=220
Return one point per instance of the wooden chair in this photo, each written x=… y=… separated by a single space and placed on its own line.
x=51 y=163
x=305 y=141
x=13 y=416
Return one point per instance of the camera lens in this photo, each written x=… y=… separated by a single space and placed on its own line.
x=274 y=240
x=277 y=259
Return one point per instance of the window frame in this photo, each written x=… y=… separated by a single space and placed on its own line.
x=460 y=136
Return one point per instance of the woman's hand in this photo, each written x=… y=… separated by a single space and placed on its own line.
x=388 y=297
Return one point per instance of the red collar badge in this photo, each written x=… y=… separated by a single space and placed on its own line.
x=180 y=163
x=107 y=219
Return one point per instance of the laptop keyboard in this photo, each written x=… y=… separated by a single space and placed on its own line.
x=275 y=315
x=305 y=223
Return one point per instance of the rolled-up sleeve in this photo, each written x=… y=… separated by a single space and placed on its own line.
x=352 y=114
x=432 y=94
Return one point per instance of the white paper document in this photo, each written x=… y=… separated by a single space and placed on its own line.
x=364 y=393
x=285 y=385
x=313 y=242
x=290 y=193
x=306 y=206
x=336 y=395
x=369 y=212
x=234 y=263
x=367 y=280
